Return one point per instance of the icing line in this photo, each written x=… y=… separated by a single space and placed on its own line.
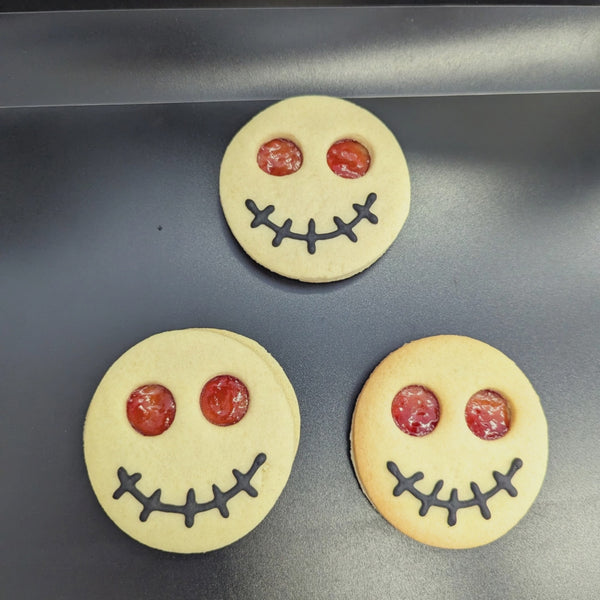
x=311 y=237
x=453 y=504
x=191 y=508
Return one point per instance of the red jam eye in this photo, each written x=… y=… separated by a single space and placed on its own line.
x=151 y=409
x=224 y=400
x=279 y=157
x=416 y=410
x=348 y=159
x=488 y=415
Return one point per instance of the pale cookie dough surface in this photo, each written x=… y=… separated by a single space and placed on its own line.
x=278 y=373
x=192 y=453
x=453 y=368
x=314 y=123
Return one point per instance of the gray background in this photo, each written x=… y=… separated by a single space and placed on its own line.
x=111 y=231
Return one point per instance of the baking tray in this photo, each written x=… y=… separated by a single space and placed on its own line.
x=111 y=134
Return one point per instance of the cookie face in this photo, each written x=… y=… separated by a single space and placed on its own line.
x=449 y=441
x=190 y=437
x=315 y=188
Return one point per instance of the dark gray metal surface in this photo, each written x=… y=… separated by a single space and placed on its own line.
x=210 y=55
x=111 y=230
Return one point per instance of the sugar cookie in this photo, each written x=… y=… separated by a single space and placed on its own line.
x=190 y=438
x=315 y=188
x=449 y=441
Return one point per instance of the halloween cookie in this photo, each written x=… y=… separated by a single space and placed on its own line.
x=315 y=188
x=449 y=441
x=190 y=438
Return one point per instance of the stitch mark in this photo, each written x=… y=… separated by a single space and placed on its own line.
x=311 y=237
x=191 y=508
x=453 y=504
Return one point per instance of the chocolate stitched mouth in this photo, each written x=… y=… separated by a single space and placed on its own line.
x=453 y=504
x=311 y=237
x=191 y=508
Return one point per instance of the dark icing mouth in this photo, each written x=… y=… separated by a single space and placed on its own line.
x=503 y=482
x=191 y=508
x=311 y=237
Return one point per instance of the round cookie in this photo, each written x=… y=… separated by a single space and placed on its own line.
x=196 y=486
x=313 y=224
x=449 y=487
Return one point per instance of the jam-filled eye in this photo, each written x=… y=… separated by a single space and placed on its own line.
x=279 y=157
x=488 y=415
x=348 y=159
x=224 y=400
x=416 y=410
x=151 y=409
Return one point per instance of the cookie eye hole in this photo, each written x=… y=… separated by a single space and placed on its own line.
x=348 y=159
x=279 y=157
x=416 y=410
x=224 y=400
x=151 y=409
x=488 y=415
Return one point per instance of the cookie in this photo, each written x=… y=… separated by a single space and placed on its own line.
x=190 y=438
x=449 y=441
x=315 y=188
